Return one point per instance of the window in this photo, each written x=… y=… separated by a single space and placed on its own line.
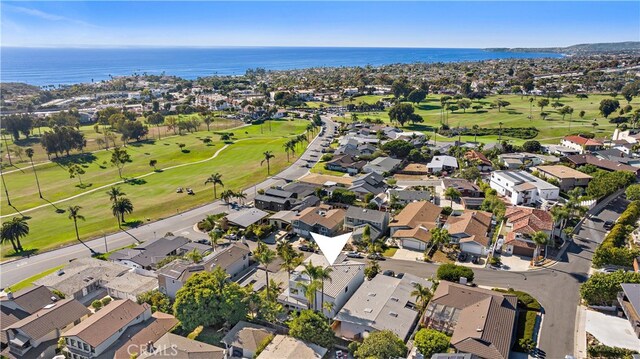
x=346 y=289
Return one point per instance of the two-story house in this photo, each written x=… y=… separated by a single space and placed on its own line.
x=275 y=200
x=521 y=223
x=471 y=230
x=345 y=279
x=567 y=177
x=522 y=188
x=95 y=334
x=357 y=217
x=581 y=144
x=321 y=219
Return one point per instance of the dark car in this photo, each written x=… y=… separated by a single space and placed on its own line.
x=290 y=235
x=400 y=275
x=306 y=248
x=608 y=225
x=475 y=260
x=375 y=256
x=462 y=257
x=389 y=273
x=204 y=241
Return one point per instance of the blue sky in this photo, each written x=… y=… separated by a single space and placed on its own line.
x=383 y=24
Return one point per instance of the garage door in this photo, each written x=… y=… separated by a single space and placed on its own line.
x=471 y=248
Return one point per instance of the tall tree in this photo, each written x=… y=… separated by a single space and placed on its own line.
x=215 y=179
x=119 y=158
x=452 y=194
x=76 y=170
x=114 y=193
x=265 y=256
x=29 y=152
x=312 y=327
x=120 y=207
x=267 y=158
x=74 y=214
x=291 y=258
x=540 y=239
x=13 y=230
x=324 y=274
x=423 y=295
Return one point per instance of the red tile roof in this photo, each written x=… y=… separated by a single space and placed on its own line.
x=583 y=141
x=528 y=220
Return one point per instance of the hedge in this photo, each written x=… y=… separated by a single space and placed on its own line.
x=453 y=273
x=612 y=250
x=603 y=351
x=525 y=300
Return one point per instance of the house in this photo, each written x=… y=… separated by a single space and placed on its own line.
x=345 y=163
x=320 y=219
x=138 y=338
x=284 y=346
x=581 y=144
x=471 y=202
x=417 y=238
x=382 y=165
x=84 y=278
x=175 y=346
x=415 y=169
x=480 y=321
x=244 y=339
x=521 y=223
x=130 y=285
x=359 y=217
x=95 y=334
x=406 y=196
x=629 y=300
x=521 y=187
x=471 y=230
x=246 y=217
x=37 y=334
x=148 y=254
x=382 y=303
x=466 y=188
x=282 y=219
x=345 y=279
x=233 y=259
x=416 y=214
x=479 y=159
x=567 y=177
x=275 y=200
x=521 y=160
x=371 y=182
x=607 y=165
x=21 y=304
x=320 y=180
x=442 y=164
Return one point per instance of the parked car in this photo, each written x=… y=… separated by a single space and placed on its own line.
x=475 y=259
x=340 y=355
x=306 y=248
x=389 y=273
x=290 y=235
x=354 y=254
x=204 y=241
x=375 y=256
x=400 y=275
x=608 y=225
x=462 y=256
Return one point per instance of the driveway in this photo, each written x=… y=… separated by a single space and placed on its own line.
x=611 y=330
x=515 y=263
x=408 y=254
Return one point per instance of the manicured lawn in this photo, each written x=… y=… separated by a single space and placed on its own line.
x=28 y=282
x=390 y=252
x=319 y=168
x=514 y=115
x=153 y=196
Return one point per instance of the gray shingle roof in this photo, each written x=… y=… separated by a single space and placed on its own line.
x=52 y=317
x=365 y=214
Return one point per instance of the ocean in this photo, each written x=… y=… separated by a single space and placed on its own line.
x=56 y=66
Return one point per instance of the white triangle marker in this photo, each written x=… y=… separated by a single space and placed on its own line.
x=331 y=246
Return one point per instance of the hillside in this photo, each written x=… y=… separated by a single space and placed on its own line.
x=580 y=48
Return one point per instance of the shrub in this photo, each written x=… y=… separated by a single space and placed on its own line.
x=194 y=334
x=430 y=341
x=453 y=273
x=603 y=351
x=263 y=344
x=96 y=304
x=105 y=301
x=612 y=250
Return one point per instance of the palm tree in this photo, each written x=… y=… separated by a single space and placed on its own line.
x=265 y=256
x=439 y=236
x=241 y=196
x=13 y=230
x=313 y=272
x=423 y=295
x=324 y=274
x=309 y=291
x=114 y=193
x=560 y=216
x=74 y=214
x=214 y=236
x=227 y=195
x=267 y=157
x=121 y=206
x=290 y=257
x=452 y=194
x=215 y=179
x=540 y=239
x=194 y=256
x=475 y=133
x=29 y=152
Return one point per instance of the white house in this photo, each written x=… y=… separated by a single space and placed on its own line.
x=346 y=278
x=442 y=163
x=523 y=188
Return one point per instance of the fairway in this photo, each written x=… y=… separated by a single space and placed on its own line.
x=153 y=193
x=551 y=129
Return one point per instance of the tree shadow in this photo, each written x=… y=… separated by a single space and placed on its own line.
x=80 y=158
x=132 y=224
x=25 y=253
x=142 y=143
x=158 y=170
x=186 y=151
x=426 y=107
x=58 y=209
x=131 y=235
x=135 y=181
x=31 y=141
x=84 y=185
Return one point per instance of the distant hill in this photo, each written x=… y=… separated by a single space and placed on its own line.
x=579 y=49
x=17 y=89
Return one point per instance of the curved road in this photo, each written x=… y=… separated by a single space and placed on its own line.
x=179 y=224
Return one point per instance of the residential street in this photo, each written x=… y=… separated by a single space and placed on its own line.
x=179 y=224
